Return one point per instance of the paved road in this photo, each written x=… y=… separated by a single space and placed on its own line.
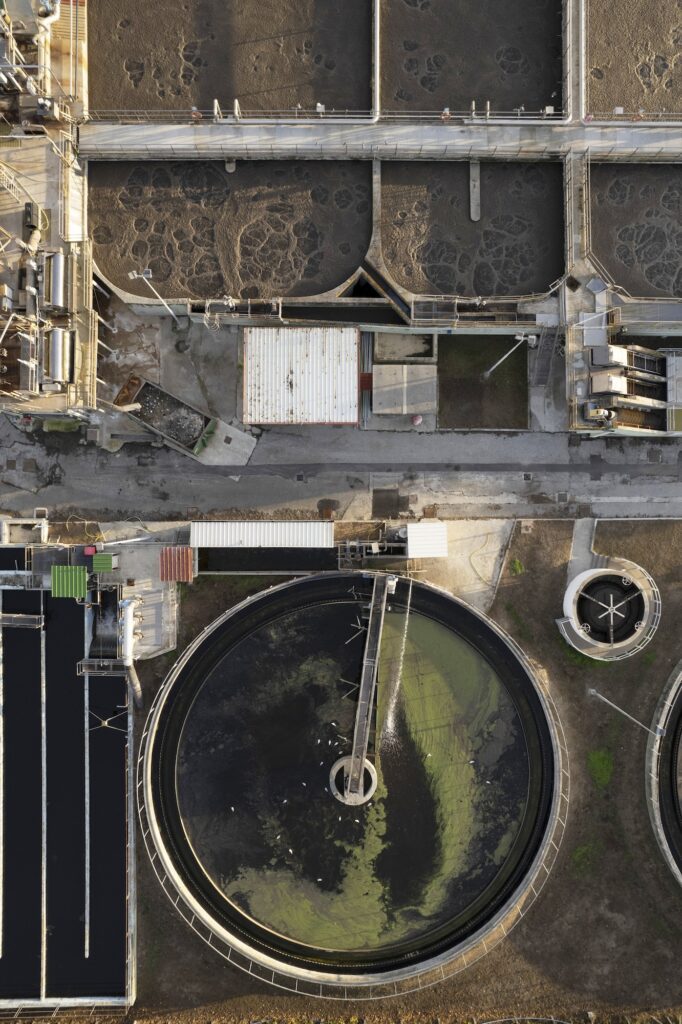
x=465 y=475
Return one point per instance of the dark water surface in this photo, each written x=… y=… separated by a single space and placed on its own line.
x=252 y=776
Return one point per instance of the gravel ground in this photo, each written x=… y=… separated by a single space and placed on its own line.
x=270 y=55
x=634 y=57
x=636 y=214
x=269 y=229
x=605 y=936
x=434 y=56
x=432 y=247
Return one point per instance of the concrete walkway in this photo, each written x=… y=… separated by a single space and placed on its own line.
x=582 y=556
x=385 y=140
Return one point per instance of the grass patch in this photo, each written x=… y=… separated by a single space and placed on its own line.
x=578 y=658
x=600 y=767
x=584 y=858
x=516 y=567
x=466 y=400
x=520 y=624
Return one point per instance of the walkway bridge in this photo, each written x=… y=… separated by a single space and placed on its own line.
x=354 y=778
x=327 y=139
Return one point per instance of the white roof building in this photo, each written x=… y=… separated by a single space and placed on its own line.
x=427 y=539
x=262 y=534
x=404 y=389
x=301 y=375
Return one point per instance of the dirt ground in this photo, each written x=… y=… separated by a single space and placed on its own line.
x=467 y=402
x=432 y=247
x=269 y=229
x=605 y=936
x=636 y=215
x=634 y=56
x=268 y=54
x=434 y=57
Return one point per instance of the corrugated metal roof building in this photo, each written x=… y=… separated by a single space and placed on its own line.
x=262 y=534
x=69 y=581
x=301 y=375
x=427 y=539
x=176 y=565
x=102 y=561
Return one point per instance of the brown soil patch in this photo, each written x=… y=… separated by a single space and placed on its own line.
x=270 y=229
x=636 y=212
x=432 y=247
x=270 y=55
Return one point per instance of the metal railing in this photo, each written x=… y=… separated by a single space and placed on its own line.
x=64 y=203
x=663 y=118
x=34 y=1010
x=12 y=184
x=569 y=184
x=566 y=59
x=587 y=231
x=297 y=114
x=439 y=309
x=434 y=311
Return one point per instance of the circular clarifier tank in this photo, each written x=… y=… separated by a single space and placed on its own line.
x=461 y=783
x=611 y=612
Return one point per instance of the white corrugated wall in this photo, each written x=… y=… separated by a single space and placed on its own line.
x=262 y=534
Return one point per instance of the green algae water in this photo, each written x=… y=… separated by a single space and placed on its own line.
x=252 y=779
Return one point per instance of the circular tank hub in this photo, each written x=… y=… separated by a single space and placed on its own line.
x=339 y=778
x=610 y=608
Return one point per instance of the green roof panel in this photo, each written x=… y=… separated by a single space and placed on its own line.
x=102 y=562
x=69 y=581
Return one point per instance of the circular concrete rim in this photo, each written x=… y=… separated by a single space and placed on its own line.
x=664 y=711
x=651 y=617
x=340 y=795
x=345 y=986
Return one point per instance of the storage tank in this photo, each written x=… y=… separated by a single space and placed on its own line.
x=59 y=362
x=55 y=285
